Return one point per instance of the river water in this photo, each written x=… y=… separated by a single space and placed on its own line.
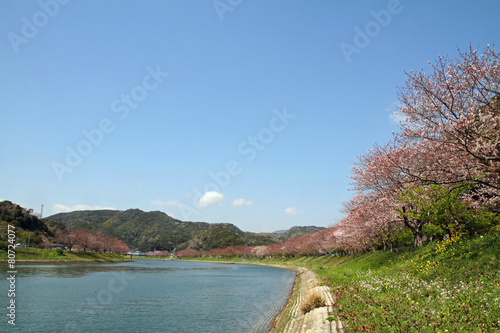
x=146 y=296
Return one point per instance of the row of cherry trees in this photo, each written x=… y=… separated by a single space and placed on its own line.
x=89 y=240
x=442 y=170
x=319 y=243
x=439 y=175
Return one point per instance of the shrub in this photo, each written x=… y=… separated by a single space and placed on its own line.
x=312 y=302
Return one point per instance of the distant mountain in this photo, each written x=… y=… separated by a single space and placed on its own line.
x=83 y=219
x=156 y=230
x=293 y=232
x=146 y=231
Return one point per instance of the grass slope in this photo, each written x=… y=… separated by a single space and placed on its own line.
x=448 y=286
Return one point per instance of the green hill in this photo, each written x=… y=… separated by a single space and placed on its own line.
x=296 y=231
x=84 y=219
x=147 y=231
x=293 y=232
x=28 y=227
x=20 y=217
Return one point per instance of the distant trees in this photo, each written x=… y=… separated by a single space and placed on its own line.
x=221 y=237
x=89 y=240
x=30 y=230
x=188 y=253
x=158 y=253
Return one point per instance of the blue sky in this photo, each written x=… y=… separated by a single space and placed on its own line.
x=247 y=112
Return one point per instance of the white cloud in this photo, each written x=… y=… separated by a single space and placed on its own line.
x=174 y=203
x=211 y=198
x=241 y=202
x=60 y=208
x=397 y=118
x=292 y=211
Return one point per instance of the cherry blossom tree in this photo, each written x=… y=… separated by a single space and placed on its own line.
x=382 y=174
x=158 y=253
x=450 y=137
x=236 y=251
x=456 y=109
x=120 y=247
x=188 y=253
x=95 y=241
x=66 y=236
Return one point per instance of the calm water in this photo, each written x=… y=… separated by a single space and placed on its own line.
x=146 y=296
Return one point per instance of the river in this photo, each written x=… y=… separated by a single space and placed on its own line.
x=146 y=296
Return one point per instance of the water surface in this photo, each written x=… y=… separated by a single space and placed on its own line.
x=147 y=296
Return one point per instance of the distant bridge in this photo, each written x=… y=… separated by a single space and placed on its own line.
x=136 y=253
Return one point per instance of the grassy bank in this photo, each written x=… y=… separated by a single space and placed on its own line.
x=448 y=286
x=32 y=254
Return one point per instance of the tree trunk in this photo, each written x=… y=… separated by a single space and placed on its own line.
x=416 y=228
x=417 y=240
x=418 y=235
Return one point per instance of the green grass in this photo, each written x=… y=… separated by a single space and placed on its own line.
x=46 y=255
x=449 y=286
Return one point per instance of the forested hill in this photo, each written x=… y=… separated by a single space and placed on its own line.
x=297 y=231
x=20 y=217
x=156 y=230
x=84 y=219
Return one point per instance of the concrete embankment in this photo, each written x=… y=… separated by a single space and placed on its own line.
x=292 y=320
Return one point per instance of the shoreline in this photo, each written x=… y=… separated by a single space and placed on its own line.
x=290 y=318
x=69 y=261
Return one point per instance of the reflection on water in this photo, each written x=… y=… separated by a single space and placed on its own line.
x=78 y=270
x=147 y=296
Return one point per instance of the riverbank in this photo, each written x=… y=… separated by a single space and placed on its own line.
x=449 y=285
x=46 y=256
x=291 y=318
